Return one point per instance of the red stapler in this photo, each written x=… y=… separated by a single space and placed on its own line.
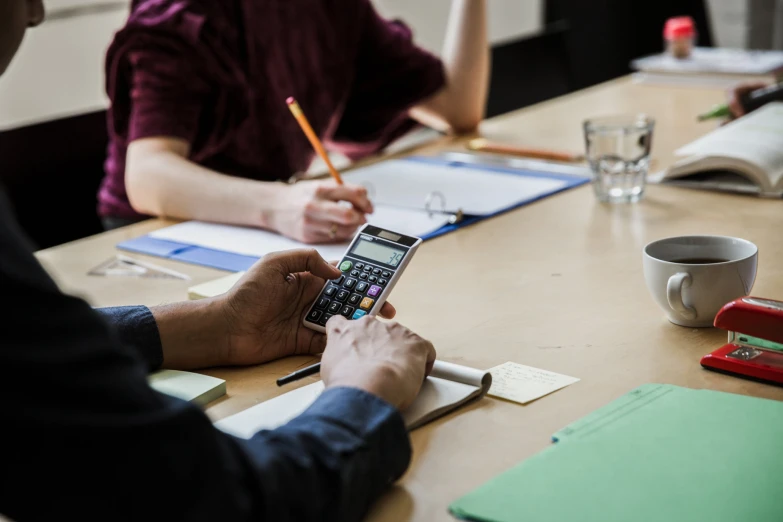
x=755 y=348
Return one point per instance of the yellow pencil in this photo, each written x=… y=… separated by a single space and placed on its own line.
x=314 y=141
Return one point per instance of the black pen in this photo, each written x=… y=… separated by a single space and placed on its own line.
x=299 y=374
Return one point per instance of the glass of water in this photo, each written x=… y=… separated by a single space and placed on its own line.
x=618 y=149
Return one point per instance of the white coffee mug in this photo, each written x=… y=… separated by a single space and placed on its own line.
x=692 y=277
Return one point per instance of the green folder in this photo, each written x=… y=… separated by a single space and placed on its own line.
x=660 y=453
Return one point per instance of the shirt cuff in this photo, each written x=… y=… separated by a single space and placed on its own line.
x=137 y=328
x=373 y=420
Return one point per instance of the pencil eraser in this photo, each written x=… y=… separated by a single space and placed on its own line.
x=290 y=100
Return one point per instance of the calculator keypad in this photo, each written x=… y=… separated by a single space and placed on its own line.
x=353 y=295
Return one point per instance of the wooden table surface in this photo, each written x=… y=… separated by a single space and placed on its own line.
x=557 y=285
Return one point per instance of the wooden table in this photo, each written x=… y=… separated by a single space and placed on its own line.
x=556 y=285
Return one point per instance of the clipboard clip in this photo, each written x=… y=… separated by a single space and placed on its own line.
x=454 y=217
x=429 y=204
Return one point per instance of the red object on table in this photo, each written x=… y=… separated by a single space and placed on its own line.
x=679 y=27
x=680 y=36
x=747 y=318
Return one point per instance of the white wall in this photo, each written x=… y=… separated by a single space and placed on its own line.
x=508 y=19
x=729 y=20
x=59 y=69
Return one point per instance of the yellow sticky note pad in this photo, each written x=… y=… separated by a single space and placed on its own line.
x=523 y=384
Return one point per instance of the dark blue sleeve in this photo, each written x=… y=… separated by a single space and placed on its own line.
x=136 y=327
x=91 y=440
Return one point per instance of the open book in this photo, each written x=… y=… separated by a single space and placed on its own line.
x=448 y=387
x=745 y=155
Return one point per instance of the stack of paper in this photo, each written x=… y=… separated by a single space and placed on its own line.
x=660 y=453
x=194 y=387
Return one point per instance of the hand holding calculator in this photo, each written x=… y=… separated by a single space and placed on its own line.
x=370 y=268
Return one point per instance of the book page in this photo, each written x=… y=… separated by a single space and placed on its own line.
x=257 y=243
x=479 y=192
x=756 y=139
x=438 y=396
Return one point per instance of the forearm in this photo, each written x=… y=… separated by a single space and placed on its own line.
x=193 y=334
x=466 y=59
x=164 y=183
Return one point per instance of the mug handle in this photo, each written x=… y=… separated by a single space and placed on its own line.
x=674 y=288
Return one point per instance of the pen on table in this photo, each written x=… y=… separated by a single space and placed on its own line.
x=482 y=145
x=718 y=111
x=299 y=374
x=314 y=141
x=750 y=100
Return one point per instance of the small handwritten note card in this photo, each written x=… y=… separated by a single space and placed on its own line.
x=523 y=384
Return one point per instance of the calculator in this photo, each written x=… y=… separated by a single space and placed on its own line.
x=370 y=268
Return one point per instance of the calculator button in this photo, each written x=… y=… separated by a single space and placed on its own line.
x=354 y=273
x=355 y=299
x=345 y=266
x=350 y=283
x=368 y=268
x=347 y=311
x=334 y=307
x=358 y=314
x=359 y=266
x=377 y=271
x=387 y=275
x=362 y=276
x=339 y=280
x=325 y=319
x=367 y=303
x=314 y=315
x=374 y=291
x=330 y=291
x=372 y=279
x=362 y=287
x=382 y=282
x=322 y=303
x=342 y=295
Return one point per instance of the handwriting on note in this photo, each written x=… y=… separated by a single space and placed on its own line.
x=523 y=384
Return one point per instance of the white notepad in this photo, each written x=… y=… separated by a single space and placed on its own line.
x=194 y=387
x=447 y=388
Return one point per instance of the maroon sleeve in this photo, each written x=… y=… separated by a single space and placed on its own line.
x=167 y=94
x=392 y=75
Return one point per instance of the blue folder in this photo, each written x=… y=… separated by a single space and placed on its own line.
x=232 y=262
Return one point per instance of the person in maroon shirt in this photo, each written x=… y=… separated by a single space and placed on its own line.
x=199 y=127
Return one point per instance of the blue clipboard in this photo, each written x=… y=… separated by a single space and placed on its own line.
x=232 y=262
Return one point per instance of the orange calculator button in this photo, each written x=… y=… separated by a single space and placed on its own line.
x=367 y=303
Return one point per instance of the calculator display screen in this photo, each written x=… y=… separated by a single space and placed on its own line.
x=378 y=252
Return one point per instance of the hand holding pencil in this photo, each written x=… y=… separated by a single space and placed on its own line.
x=320 y=211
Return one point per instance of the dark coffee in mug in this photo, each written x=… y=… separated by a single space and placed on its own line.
x=698 y=261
